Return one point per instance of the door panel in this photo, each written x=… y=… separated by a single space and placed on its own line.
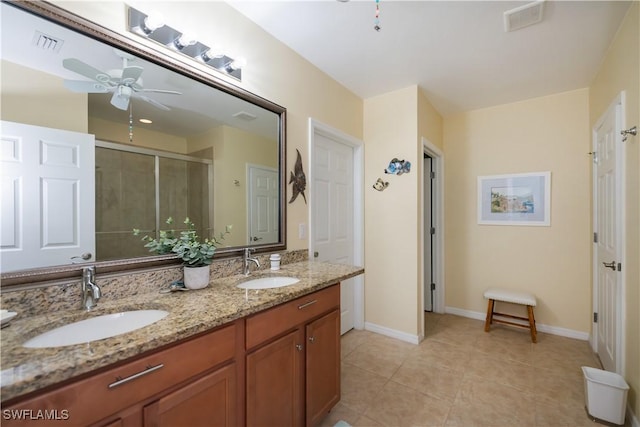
x=275 y=384
x=607 y=231
x=263 y=205
x=58 y=166
x=333 y=212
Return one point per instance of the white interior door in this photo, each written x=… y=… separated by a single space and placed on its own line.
x=607 y=245
x=263 y=204
x=48 y=196
x=333 y=213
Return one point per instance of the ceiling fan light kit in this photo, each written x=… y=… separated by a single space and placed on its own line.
x=152 y=27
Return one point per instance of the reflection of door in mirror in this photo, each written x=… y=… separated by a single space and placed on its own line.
x=263 y=204
x=47 y=196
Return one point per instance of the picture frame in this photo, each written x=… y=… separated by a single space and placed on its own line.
x=515 y=199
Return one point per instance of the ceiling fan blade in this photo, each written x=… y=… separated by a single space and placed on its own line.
x=120 y=99
x=79 y=67
x=83 y=86
x=154 y=103
x=131 y=74
x=170 y=92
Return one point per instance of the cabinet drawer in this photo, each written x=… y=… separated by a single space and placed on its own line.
x=103 y=394
x=273 y=322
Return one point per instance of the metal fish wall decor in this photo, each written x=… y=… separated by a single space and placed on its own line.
x=298 y=179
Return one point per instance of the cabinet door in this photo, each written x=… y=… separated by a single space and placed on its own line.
x=322 y=366
x=207 y=402
x=275 y=383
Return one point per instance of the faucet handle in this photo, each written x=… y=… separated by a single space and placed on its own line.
x=97 y=293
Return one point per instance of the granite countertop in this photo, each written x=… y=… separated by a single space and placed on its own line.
x=24 y=370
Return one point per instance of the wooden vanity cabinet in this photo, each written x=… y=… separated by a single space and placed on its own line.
x=207 y=401
x=293 y=361
x=149 y=390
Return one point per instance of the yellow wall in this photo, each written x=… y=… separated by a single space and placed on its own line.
x=17 y=105
x=119 y=132
x=393 y=126
x=273 y=71
x=543 y=134
x=233 y=150
x=620 y=71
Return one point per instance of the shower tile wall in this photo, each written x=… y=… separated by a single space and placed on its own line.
x=125 y=199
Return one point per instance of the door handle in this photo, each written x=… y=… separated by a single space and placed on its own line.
x=85 y=256
x=255 y=238
x=611 y=265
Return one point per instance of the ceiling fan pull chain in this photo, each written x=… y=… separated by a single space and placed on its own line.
x=130 y=122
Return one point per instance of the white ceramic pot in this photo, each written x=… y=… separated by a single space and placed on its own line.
x=196 y=277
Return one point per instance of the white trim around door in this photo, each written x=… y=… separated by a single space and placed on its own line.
x=318 y=128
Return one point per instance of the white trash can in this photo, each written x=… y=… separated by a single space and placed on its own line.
x=605 y=394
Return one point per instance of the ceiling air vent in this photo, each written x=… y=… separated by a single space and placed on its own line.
x=245 y=116
x=523 y=16
x=47 y=43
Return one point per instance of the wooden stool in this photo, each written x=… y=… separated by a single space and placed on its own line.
x=512 y=297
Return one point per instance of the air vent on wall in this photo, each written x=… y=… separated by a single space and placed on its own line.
x=46 y=42
x=523 y=16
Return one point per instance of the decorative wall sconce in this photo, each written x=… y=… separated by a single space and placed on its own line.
x=152 y=27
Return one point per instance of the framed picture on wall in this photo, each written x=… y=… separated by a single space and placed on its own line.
x=516 y=199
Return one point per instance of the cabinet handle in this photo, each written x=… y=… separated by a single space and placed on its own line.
x=299 y=347
x=307 y=304
x=312 y=339
x=121 y=380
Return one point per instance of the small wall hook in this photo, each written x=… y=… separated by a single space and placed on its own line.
x=626 y=132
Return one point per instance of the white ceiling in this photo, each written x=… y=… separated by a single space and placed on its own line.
x=456 y=51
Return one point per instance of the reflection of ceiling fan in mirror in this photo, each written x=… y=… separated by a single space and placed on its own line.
x=123 y=83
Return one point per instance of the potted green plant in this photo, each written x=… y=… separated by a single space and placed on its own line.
x=195 y=253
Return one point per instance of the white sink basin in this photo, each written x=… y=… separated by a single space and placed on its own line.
x=96 y=328
x=268 y=282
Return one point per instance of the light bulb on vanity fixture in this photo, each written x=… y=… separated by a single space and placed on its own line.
x=211 y=54
x=152 y=22
x=186 y=39
x=237 y=64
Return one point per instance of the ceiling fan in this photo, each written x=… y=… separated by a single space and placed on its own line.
x=124 y=83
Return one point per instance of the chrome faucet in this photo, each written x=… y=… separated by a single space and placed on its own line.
x=91 y=292
x=245 y=261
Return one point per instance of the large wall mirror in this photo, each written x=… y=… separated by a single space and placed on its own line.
x=86 y=160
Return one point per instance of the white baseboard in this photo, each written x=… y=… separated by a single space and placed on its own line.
x=553 y=330
x=382 y=330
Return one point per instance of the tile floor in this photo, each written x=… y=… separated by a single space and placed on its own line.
x=461 y=376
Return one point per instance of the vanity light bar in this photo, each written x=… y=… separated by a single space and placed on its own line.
x=152 y=27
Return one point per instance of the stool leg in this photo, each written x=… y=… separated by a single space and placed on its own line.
x=489 y=316
x=532 y=324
